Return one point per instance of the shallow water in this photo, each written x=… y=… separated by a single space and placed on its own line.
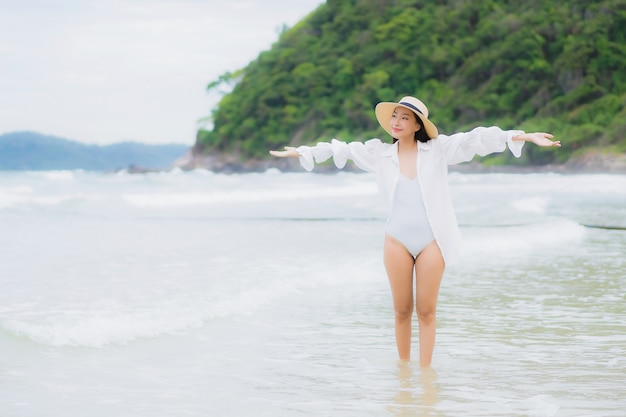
x=264 y=294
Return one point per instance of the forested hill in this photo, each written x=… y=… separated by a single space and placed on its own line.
x=557 y=66
x=21 y=151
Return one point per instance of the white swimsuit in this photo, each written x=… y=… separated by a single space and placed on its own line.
x=408 y=222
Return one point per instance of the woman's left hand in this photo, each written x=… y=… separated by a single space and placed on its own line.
x=539 y=139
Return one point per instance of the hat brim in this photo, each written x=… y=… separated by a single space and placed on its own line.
x=385 y=109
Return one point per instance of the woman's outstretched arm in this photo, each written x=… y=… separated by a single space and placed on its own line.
x=289 y=152
x=481 y=141
x=538 y=138
x=363 y=154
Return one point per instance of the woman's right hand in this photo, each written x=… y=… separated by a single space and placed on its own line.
x=289 y=152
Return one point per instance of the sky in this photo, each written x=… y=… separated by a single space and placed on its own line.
x=108 y=71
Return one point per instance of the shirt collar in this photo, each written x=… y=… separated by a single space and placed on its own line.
x=425 y=146
x=392 y=151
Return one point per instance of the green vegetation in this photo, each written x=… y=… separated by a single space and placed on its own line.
x=557 y=66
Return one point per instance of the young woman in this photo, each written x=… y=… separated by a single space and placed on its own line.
x=422 y=233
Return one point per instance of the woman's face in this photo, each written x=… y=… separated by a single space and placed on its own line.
x=404 y=124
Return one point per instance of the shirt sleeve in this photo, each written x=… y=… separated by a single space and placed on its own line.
x=462 y=147
x=363 y=154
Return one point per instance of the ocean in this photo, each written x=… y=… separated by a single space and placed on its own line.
x=264 y=294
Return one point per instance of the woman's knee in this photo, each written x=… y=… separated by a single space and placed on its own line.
x=426 y=314
x=403 y=311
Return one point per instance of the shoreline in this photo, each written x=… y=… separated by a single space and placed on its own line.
x=592 y=162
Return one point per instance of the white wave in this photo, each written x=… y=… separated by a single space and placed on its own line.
x=490 y=241
x=23 y=195
x=102 y=325
x=59 y=175
x=201 y=173
x=273 y=171
x=169 y=199
x=531 y=205
x=99 y=329
x=95 y=331
x=17 y=189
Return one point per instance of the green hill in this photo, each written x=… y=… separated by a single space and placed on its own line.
x=557 y=66
x=33 y=151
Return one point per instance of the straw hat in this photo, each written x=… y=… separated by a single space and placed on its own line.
x=384 y=111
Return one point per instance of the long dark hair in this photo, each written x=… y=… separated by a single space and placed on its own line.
x=420 y=135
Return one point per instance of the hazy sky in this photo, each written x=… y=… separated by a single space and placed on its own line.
x=104 y=71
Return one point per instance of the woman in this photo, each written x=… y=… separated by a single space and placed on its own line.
x=422 y=233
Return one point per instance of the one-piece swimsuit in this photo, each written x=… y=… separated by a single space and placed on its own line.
x=408 y=222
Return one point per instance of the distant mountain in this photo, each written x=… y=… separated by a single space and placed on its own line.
x=20 y=151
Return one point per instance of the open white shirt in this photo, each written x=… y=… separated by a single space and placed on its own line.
x=433 y=158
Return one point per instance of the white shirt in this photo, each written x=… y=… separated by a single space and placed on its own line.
x=433 y=158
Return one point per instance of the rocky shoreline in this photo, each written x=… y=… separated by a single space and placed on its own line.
x=590 y=162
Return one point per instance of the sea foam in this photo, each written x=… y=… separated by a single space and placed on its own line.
x=182 y=199
x=520 y=239
x=24 y=196
x=117 y=324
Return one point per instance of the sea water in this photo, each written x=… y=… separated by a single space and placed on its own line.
x=201 y=294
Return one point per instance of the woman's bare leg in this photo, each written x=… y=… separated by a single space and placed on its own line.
x=399 y=265
x=429 y=267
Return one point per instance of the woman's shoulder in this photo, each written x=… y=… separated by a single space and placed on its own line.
x=377 y=146
x=376 y=143
x=370 y=144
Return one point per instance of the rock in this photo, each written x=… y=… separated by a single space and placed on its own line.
x=593 y=161
x=598 y=161
x=234 y=163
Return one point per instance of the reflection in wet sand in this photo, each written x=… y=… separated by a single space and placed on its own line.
x=418 y=392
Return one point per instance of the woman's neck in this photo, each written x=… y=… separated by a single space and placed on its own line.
x=407 y=144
